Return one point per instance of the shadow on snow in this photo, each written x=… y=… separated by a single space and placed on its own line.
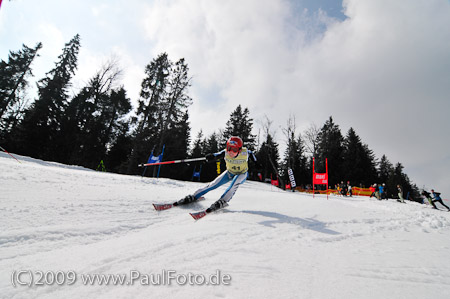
x=311 y=224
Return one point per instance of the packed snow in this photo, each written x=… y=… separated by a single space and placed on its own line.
x=61 y=225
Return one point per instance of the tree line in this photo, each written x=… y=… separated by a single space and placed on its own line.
x=97 y=123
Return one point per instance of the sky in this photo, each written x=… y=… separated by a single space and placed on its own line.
x=381 y=67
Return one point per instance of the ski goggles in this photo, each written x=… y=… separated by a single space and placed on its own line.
x=233 y=149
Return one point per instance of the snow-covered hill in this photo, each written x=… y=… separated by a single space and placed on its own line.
x=57 y=221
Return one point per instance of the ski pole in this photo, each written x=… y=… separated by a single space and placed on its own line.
x=9 y=153
x=173 y=162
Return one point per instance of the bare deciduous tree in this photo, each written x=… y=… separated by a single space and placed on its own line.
x=311 y=138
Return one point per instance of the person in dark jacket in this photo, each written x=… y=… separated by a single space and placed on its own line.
x=427 y=196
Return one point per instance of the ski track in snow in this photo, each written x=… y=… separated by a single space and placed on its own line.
x=274 y=244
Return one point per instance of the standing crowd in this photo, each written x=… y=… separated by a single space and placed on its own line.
x=379 y=192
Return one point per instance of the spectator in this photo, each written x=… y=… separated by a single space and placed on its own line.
x=372 y=189
x=380 y=192
x=343 y=189
x=400 y=194
x=383 y=193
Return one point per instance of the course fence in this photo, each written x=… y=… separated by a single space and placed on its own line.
x=355 y=191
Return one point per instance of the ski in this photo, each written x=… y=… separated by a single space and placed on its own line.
x=166 y=206
x=163 y=206
x=437 y=209
x=201 y=214
x=198 y=215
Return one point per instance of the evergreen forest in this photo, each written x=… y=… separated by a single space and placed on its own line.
x=97 y=125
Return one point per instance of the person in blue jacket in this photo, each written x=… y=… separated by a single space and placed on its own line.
x=436 y=196
x=381 y=190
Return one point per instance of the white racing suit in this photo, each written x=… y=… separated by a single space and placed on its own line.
x=236 y=173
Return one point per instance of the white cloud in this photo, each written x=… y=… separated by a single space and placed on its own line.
x=233 y=45
x=382 y=71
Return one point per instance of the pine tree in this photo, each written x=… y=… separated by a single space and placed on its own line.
x=301 y=169
x=152 y=93
x=174 y=106
x=40 y=133
x=202 y=147
x=331 y=146
x=212 y=144
x=268 y=157
x=385 y=169
x=369 y=163
x=240 y=124
x=162 y=111
x=93 y=116
x=199 y=145
x=398 y=177
x=177 y=145
x=359 y=164
x=174 y=123
x=13 y=84
x=120 y=149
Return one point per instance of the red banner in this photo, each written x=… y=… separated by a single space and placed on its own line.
x=320 y=179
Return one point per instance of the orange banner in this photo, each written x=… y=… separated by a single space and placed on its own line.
x=355 y=190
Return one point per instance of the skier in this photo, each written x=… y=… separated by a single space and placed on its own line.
x=437 y=198
x=400 y=194
x=236 y=159
x=427 y=195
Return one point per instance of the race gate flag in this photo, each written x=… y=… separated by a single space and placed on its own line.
x=154 y=159
x=320 y=178
x=291 y=178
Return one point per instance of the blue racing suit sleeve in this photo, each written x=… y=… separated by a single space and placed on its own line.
x=215 y=156
x=219 y=154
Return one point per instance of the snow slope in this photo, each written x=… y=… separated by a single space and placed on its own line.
x=270 y=243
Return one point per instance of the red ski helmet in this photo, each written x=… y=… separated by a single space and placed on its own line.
x=234 y=144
